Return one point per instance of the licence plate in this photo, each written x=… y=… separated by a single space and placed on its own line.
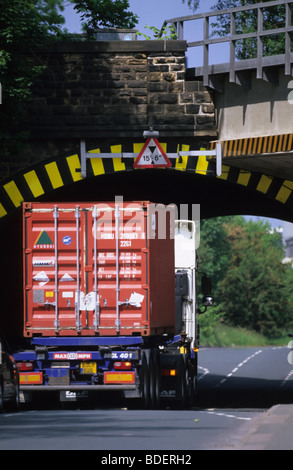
x=88 y=367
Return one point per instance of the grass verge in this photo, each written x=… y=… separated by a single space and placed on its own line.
x=228 y=336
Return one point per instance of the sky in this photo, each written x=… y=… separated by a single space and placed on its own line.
x=150 y=12
x=154 y=13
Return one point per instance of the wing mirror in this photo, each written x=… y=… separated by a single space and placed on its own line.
x=206 y=288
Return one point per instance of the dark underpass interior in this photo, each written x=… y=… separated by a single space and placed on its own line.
x=215 y=197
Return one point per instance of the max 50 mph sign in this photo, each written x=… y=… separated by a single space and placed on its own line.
x=152 y=156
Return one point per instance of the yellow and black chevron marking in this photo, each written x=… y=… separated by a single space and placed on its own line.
x=54 y=174
x=256 y=145
x=275 y=188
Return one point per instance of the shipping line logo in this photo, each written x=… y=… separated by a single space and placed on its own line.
x=43 y=241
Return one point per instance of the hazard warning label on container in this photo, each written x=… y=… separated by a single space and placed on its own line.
x=152 y=156
x=41 y=278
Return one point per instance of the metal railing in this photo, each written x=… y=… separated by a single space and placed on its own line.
x=259 y=62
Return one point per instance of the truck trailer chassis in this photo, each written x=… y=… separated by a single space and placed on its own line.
x=152 y=375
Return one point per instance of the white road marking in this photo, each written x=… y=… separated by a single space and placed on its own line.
x=286 y=378
x=226 y=415
x=205 y=372
x=238 y=367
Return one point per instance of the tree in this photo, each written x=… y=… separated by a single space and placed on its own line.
x=111 y=13
x=246 y=22
x=253 y=290
x=194 y=4
x=105 y=13
x=214 y=251
x=251 y=286
x=25 y=25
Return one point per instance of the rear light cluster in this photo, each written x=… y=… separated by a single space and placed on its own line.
x=120 y=376
x=25 y=366
x=26 y=376
x=168 y=372
x=122 y=365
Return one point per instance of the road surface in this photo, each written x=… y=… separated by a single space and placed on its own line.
x=235 y=388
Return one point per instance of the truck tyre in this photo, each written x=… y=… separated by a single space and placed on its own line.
x=158 y=379
x=154 y=371
x=181 y=371
x=14 y=404
x=1 y=399
x=151 y=367
x=193 y=380
x=145 y=381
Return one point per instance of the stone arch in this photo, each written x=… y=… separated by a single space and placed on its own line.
x=35 y=182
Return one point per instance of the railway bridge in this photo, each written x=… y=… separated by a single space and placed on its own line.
x=131 y=119
x=99 y=107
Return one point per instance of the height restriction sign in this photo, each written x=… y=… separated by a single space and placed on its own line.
x=152 y=156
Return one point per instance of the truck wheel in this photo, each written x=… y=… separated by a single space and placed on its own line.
x=14 y=405
x=154 y=370
x=190 y=379
x=145 y=382
x=1 y=400
x=181 y=397
x=193 y=381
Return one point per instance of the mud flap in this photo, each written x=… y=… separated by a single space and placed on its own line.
x=173 y=377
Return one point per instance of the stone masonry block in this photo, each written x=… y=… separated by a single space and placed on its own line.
x=106 y=86
x=157 y=87
x=186 y=98
x=167 y=98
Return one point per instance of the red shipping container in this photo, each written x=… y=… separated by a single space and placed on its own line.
x=72 y=254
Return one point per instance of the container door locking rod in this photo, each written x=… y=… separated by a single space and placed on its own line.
x=117 y=213
x=96 y=290
x=77 y=297
x=56 y=215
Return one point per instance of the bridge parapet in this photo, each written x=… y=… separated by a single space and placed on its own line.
x=232 y=21
x=252 y=89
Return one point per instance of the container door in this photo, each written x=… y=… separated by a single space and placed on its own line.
x=54 y=270
x=86 y=270
x=71 y=269
x=119 y=276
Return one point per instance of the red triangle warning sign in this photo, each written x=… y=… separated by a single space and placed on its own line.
x=152 y=156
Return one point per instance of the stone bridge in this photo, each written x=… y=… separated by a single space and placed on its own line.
x=108 y=93
x=100 y=98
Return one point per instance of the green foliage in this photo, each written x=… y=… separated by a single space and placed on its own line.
x=193 y=4
x=227 y=336
x=246 y=22
x=214 y=251
x=167 y=32
x=252 y=288
x=27 y=25
x=105 y=13
x=209 y=322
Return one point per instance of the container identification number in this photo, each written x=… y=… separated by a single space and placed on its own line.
x=125 y=243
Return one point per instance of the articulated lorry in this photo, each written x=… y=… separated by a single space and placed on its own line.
x=109 y=302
